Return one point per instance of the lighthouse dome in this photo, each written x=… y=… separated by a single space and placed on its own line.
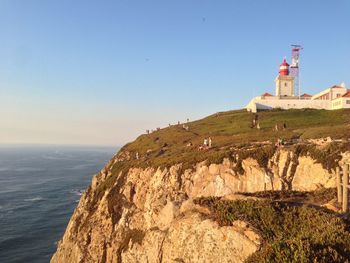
x=284 y=68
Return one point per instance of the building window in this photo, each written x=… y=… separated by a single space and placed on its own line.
x=348 y=102
x=285 y=84
x=338 y=95
x=337 y=103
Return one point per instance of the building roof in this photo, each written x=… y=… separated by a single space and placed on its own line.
x=266 y=94
x=327 y=91
x=347 y=94
x=337 y=87
x=306 y=95
x=284 y=63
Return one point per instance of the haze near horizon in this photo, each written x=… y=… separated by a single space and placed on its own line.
x=87 y=73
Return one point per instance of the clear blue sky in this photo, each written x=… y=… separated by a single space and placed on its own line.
x=101 y=72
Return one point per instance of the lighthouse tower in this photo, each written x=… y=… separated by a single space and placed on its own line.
x=284 y=81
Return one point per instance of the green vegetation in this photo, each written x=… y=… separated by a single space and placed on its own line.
x=320 y=196
x=290 y=232
x=261 y=154
x=327 y=156
x=233 y=137
x=233 y=129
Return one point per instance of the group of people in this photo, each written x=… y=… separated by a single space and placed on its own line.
x=255 y=122
x=284 y=126
x=185 y=127
x=153 y=130
x=207 y=144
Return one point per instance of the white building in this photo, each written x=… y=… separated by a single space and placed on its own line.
x=336 y=97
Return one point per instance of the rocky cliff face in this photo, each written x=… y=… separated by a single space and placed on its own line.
x=148 y=214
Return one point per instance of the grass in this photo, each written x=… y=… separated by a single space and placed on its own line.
x=232 y=128
x=232 y=135
x=328 y=156
x=290 y=233
x=319 y=196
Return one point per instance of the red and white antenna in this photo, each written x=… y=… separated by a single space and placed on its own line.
x=295 y=67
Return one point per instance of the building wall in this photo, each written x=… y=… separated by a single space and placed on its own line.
x=330 y=94
x=329 y=99
x=341 y=103
x=284 y=86
x=346 y=103
x=337 y=104
x=257 y=104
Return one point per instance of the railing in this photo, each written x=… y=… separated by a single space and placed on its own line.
x=343 y=186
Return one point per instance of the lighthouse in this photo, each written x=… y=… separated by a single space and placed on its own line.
x=284 y=68
x=288 y=91
x=284 y=81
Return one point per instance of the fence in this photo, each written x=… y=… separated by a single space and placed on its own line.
x=343 y=186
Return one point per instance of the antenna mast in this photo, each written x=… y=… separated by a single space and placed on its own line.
x=295 y=67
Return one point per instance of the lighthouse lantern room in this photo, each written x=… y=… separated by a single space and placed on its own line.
x=284 y=81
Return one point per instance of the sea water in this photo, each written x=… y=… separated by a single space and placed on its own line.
x=39 y=188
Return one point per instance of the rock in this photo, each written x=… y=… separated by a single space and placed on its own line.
x=166 y=216
x=149 y=216
x=188 y=206
x=302 y=181
x=192 y=239
x=214 y=169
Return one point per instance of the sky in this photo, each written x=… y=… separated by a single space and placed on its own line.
x=102 y=72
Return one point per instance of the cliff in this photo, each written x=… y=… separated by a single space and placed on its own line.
x=146 y=209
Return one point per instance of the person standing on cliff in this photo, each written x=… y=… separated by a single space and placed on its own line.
x=205 y=143
x=209 y=142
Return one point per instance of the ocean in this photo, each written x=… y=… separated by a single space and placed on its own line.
x=40 y=187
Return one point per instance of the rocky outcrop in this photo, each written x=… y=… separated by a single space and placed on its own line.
x=194 y=238
x=148 y=215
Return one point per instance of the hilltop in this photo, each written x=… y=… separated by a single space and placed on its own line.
x=162 y=199
x=232 y=129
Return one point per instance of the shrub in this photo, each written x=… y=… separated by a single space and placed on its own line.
x=261 y=155
x=290 y=233
x=328 y=157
